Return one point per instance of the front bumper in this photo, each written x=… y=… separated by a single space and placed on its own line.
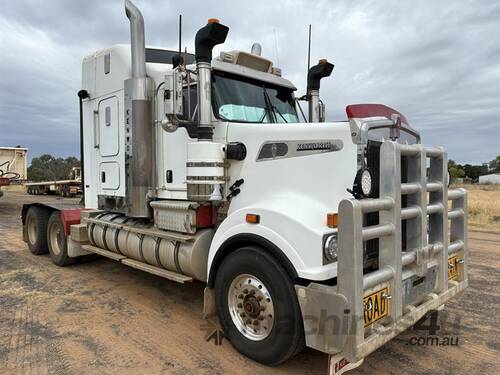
x=334 y=315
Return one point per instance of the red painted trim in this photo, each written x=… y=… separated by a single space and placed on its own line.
x=4 y=181
x=205 y=216
x=372 y=110
x=70 y=217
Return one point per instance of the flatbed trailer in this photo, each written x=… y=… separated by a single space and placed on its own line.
x=65 y=188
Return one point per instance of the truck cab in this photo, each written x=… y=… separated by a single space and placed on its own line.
x=203 y=167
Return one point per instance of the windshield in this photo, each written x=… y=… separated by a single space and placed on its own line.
x=241 y=99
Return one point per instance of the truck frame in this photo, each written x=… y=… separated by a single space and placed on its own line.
x=332 y=235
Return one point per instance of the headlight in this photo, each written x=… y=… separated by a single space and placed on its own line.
x=330 y=248
x=363 y=183
x=366 y=182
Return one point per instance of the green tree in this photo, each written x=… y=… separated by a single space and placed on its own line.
x=455 y=170
x=48 y=168
x=474 y=171
x=495 y=164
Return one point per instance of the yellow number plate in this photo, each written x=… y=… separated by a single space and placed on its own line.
x=376 y=306
x=452 y=267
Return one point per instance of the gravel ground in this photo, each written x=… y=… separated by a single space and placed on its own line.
x=102 y=317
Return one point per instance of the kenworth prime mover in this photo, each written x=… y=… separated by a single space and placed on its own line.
x=332 y=235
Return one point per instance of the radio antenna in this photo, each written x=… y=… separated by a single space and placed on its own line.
x=309 y=50
x=180 y=33
x=276 y=47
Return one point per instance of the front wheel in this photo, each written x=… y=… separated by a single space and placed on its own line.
x=257 y=306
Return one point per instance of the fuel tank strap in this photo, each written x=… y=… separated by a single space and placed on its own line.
x=144 y=231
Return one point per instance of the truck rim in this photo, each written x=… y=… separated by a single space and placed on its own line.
x=32 y=229
x=251 y=307
x=55 y=238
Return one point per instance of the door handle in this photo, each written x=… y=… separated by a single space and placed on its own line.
x=96 y=129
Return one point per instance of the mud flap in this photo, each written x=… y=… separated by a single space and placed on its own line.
x=209 y=309
x=337 y=364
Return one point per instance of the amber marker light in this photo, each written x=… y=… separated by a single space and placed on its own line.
x=332 y=220
x=213 y=20
x=253 y=219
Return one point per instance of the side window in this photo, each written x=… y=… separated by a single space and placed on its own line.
x=189 y=105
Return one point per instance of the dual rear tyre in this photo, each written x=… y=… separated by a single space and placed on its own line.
x=36 y=230
x=45 y=233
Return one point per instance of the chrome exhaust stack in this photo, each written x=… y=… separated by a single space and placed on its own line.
x=137 y=40
x=314 y=76
x=138 y=122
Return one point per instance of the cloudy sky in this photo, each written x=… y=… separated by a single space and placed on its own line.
x=438 y=62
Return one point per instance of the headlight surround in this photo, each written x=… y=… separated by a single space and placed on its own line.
x=330 y=248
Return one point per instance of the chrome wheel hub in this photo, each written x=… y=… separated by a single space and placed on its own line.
x=251 y=307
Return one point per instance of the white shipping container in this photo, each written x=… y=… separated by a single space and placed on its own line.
x=493 y=178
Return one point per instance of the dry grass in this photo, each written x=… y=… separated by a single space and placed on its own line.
x=483 y=206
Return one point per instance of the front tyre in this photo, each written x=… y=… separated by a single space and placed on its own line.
x=257 y=306
x=58 y=241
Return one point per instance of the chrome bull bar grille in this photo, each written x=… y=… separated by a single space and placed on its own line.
x=430 y=239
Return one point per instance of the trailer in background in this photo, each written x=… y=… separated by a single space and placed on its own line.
x=3 y=182
x=13 y=163
x=64 y=188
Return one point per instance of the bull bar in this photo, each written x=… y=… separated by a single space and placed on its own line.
x=429 y=243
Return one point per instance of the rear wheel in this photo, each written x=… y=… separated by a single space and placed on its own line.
x=36 y=229
x=257 y=306
x=58 y=241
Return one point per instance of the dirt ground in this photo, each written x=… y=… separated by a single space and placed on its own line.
x=101 y=317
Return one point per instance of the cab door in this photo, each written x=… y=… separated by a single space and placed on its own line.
x=108 y=146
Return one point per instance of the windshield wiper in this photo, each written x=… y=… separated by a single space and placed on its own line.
x=272 y=108
x=269 y=105
x=279 y=113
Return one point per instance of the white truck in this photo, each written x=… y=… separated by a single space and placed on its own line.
x=332 y=235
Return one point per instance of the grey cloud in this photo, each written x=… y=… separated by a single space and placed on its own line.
x=437 y=62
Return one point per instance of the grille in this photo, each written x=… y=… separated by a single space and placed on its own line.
x=373 y=164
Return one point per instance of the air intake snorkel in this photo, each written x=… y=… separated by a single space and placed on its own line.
x=316 y=73
x=205 y=164
x=212 y=34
